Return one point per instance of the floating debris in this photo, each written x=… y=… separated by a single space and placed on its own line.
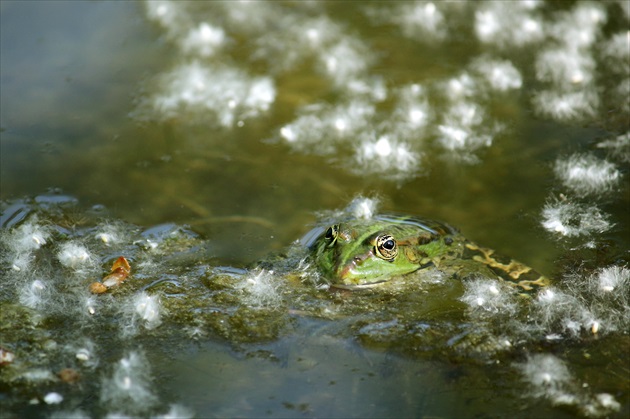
x=120 y=271
x=586 y=174
x=73 y=255
x=53 y=398
x=550 y=378
x=69 y=375
x=6 y=356
x=129 y=386
x=574 y=219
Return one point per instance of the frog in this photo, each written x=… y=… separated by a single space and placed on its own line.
x=357 y=253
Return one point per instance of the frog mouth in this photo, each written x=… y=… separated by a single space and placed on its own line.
x=347 y=269
x=345 y=277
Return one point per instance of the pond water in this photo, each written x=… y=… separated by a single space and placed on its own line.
x=196 y=138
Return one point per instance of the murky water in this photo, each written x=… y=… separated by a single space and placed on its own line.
x=242 y=121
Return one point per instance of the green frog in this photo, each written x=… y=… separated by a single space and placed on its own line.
x=363 y=252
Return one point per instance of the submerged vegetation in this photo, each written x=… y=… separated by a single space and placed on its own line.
x=173 y=294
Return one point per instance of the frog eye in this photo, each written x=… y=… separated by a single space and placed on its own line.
x=386 y=247
x=332 y=233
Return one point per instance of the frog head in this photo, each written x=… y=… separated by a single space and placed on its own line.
x=361 y=253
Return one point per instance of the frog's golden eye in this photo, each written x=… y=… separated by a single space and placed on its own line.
x=386 y=247
x=332 y=233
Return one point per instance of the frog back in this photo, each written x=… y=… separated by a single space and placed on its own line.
x=475 y=260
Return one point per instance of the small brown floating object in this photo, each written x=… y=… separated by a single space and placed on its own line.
x=97 y=288
x=121 y=263
x=69 y=375
x=6 y=356
x=119 y=272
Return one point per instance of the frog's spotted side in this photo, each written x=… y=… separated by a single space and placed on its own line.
x=360 y=253
x=510 y=270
